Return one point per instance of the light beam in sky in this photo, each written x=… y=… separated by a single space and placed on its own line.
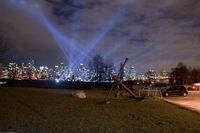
x=77 y=48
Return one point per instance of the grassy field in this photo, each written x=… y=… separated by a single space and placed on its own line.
x=47 y=110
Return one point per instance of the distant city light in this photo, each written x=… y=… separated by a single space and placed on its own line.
x=64 y=73
x=57 y=81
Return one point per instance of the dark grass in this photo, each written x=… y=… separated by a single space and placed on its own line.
x=46 y=110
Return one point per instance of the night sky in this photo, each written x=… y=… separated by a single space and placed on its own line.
x=154 y=34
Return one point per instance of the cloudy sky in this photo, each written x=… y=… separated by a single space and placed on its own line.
x=153 y=34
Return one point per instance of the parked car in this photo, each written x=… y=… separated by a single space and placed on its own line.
x=158 y=86
x=194 y=86
x=175 y=90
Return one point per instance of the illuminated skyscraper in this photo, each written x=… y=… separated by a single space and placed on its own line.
x=132 y=73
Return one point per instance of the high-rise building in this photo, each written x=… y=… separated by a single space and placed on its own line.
x=151 y=75
x=31 y=63
x=163 y=72
x=132 y=73
x=62 y=65
x=164 y=77
x=13 y=69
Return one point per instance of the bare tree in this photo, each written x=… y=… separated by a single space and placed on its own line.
x=109 y=67
x=29 y=73
x=180 y=74
x=97 y=65
x=4 y=46
x=195 y=75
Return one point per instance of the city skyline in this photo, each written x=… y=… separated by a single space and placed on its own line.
x=154 y=35
x=63 y=73
x=20 y=64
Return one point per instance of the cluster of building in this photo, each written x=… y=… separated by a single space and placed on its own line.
x=63 y=72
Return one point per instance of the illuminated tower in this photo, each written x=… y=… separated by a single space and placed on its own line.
x=81 y=67
x=13 y=69
x=31 y=64
x=163 y=72
x=132 y=73
x=62 y=65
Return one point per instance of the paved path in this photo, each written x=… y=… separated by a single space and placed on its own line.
x=192 y=101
